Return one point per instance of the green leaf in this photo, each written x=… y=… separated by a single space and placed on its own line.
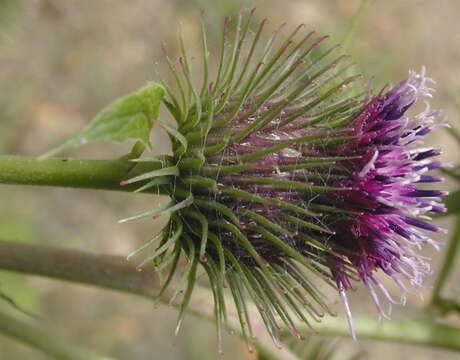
x=128 y=117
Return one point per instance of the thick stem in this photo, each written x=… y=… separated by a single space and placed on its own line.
x=73 y=173
x=115 y=273
x=42 y=340
x=106 y=271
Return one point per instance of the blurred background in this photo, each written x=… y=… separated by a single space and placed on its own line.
x=61 y=62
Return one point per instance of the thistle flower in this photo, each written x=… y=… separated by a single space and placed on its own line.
x=285 y=172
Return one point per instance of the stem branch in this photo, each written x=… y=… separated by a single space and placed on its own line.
x=48 y=343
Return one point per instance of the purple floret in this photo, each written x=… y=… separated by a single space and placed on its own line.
x=386 y=236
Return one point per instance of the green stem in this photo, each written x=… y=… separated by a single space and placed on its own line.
x=447 y=265
x=106 y=271
x=354 y=25
x=73 y=173
x=443 y=306
x=422 y=332
x=38 y=338
x=113 y=272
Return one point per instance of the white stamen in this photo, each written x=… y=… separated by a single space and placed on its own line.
x=370 y=165
x=343 y=295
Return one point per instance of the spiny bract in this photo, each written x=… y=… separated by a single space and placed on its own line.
x=287 y=171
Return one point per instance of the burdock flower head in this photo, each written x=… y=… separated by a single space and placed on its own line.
x=288 y=172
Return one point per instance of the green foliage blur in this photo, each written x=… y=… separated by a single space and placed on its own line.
x=62 y=61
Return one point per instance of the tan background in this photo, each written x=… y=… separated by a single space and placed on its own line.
x=62 y=61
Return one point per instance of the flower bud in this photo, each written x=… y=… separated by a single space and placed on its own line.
x=287 y=171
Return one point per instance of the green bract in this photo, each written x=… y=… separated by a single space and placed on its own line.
x=236 y=209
